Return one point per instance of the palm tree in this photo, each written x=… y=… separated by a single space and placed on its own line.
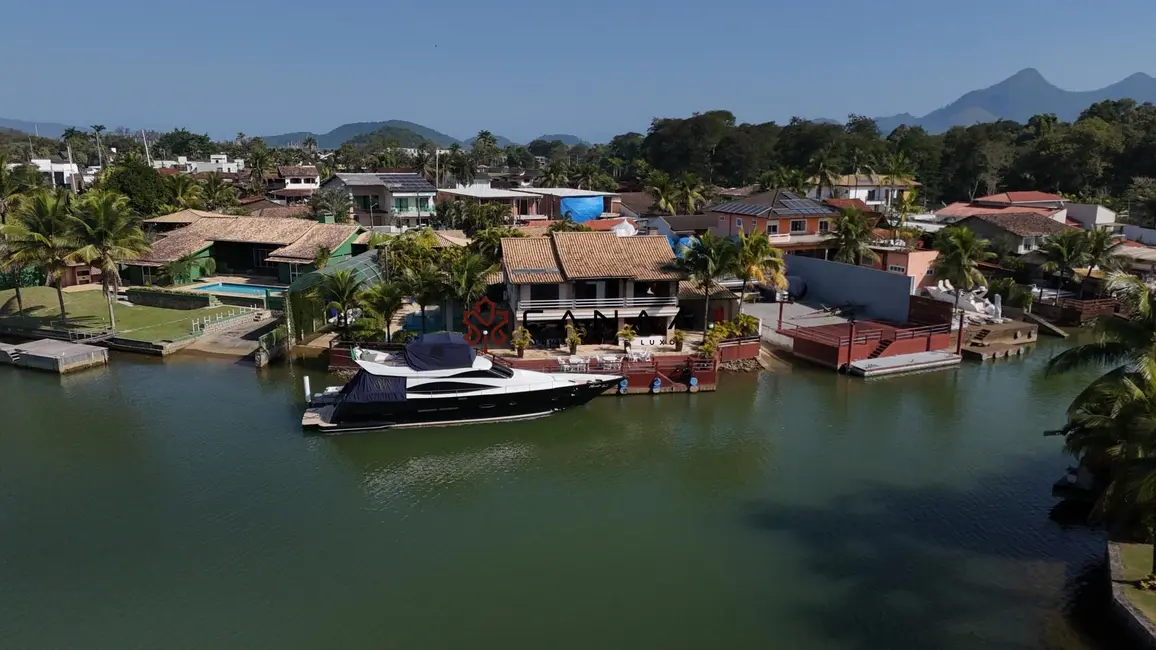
x=97 y=129
x=217 y=193
x=310 y=143
x=897 y=166
x=756 y=260
x=467 y=279
x=691 y=192
x=485 y=148
x=584 y=176
x=383 y=300
x=42 y=237
x=13 y=186
x=567 y=224
x=321 y=257
x=908 y=204
x=181 y=270
x=185 y=191
x=663 y=191
x=463 y=167
x=960 y=252
x=1063 y=253
x=822 y=173
x=107 y=234
x=424 y=164
x=341 y=291
x=259 y=162
x=488 y=242
x=705 y=260
x=556 y=174
x=861 y=163
x=851 y=234
x=1097 y=251
x=424 y=284
x=331 y=202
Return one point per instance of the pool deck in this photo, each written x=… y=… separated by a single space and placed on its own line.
x=233 y=279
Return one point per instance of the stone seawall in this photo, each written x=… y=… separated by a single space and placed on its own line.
x=1141 y=628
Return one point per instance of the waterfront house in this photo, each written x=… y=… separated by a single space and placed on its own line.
x=877 y=191
x=523 y=204
x=270 y=246
x=917 y=264
x=1026 y=229
x=793 y=223
x=292 y=184
x=388 y=199
x=578 y=275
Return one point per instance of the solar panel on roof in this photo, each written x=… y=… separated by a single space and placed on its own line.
x=742 y=208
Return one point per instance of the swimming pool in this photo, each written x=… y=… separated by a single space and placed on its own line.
x=240 y=289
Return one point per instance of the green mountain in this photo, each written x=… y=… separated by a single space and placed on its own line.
x=1019 y=97
x=566 y=138
x=45 y=129
x=390 y=134
x=347 y=132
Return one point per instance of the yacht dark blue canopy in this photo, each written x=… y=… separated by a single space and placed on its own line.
x=439 y=351
x=364 y=396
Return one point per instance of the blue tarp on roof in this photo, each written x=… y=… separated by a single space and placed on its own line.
x=582 y=208
x=439 y=351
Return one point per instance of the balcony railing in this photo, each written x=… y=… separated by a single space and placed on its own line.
x=599 y=303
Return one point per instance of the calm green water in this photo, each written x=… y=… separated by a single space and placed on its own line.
x=178 y=505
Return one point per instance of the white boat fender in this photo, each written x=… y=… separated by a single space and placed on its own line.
x=308 y=393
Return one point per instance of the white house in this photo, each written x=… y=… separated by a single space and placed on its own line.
x=59 y=174
x=878 y=191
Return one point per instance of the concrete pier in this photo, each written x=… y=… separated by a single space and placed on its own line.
x=54 y=356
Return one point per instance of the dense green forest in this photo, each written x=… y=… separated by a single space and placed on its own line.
x=1107 y=154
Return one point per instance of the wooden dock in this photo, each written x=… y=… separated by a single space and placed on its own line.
x=995 y=351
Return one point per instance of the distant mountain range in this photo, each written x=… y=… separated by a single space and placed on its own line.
x=347 y=132
x=45 y=129
x=1018 y=98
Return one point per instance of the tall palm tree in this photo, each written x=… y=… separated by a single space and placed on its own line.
x=960 y=252
x=321 y=257
x=899 y=170
x=1097 y=250
x=485 y=148
x=756 y=260
x=488 y=242
x=556 y=174
x=467 y=279
x=424 y=164
x=259 y=163
x=851 y=234
x=1064 y=252
x=341 y=291
x=907 y=205
x=332 y=202
x=107 y=234
x=97 y=129
x=425 y=284
x=43 y=237
x=310 y=143
x=181 y=270
x=861 y=163
x=822 y=173
x=663 y=191
x=218 y=194
x=185 y=191
x=383 y=300
x=704 y=261
x=691 y=192
x=13 y=186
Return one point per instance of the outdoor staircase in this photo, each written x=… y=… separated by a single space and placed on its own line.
x=979 y=337
x=879 y=349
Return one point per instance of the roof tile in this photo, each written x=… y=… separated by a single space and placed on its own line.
x=1023 y=224
x=530 y=260
x=587 y=255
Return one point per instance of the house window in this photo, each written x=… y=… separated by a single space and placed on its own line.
x=294 y=181
x=896 y=269
x=824 y=226
x=522 y=206
x=400 y=204
x=930 y=271
x=259 y=261
x=1029 y=243
x=362 y=202
x=738 y=222
x=294 y=272
x=799 y=225
x=872 y=195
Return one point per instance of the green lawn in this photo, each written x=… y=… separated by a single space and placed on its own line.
x=1137 y=560
x=87 y=310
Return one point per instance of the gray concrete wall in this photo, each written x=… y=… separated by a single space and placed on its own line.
x=879 y=294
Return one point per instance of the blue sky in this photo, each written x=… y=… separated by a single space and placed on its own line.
x=523 y=68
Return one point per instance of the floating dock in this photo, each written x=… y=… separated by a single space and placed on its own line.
x=54 y=356
x=905 y=363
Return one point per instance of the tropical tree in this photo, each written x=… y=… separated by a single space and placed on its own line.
x=1064 y=252
x=424 y=163
x=184 y=191
x=182 y=269
x=663 y=191
x=1097 y=250
x=321 y=257
x=851 y=234
x=488 y=242
x=822 y=173
x=556 y=174
x=216 y=193
x=461 y=164
x=331 y=202
x=341 y=290
x=756 y=260
x=41 y=236
x=467 y=278
x=310 y=143
x=567 y=224
x=97 y=129
x=107 y=234
x=13 y=186
x=702 y=262
x=485 y=148
x=690 y=192
x=898 y=169
x=907 y=205
x=384 y=300
x=960 y=252
x=259 y=162
x=425 y=284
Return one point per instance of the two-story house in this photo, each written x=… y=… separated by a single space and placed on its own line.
x=387 y=199
x=292 y=184
x=793 y=223
x=523 y=204
x=1025 y=230
x=596 y=279
x=878 y=191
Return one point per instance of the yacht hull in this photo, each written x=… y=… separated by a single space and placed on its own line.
x=455 y=409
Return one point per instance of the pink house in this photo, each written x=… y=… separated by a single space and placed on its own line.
x=919 y=265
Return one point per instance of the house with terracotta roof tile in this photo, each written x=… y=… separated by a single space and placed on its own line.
x=793 y=223
x=1027 y=229
x=1052 y=206
x=877 y=191
x=292 y=184
x=597 y=279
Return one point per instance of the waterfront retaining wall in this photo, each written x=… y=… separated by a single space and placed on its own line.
x=1142 y=629
x=878 y=294
x=167 y=299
